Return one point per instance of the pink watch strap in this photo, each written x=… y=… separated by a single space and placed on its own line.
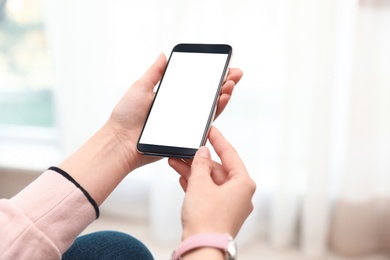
x=216 y=240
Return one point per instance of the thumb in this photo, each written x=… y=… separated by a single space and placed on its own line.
x=203 y=152
x=201 y=167
x=153 y=75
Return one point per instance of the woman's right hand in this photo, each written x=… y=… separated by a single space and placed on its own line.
x=218 y=196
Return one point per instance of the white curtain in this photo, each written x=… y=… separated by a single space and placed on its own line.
x=310 y=117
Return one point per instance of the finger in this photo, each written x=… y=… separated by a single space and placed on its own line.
x=201 y=168
x=183 y=183
x=153 y=75
x=223 y=100
x=218 y=174
x=234 y=74
x=228 y=87
x=181 y=167
x=233 y=77
x=230 y=159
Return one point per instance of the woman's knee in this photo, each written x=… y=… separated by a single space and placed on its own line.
x=107 y=245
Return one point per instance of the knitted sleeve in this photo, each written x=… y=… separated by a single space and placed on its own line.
x=42 y=221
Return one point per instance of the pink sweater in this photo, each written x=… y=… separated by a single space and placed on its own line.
x=42 y=221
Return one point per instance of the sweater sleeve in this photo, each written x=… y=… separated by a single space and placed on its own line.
x=42 y=221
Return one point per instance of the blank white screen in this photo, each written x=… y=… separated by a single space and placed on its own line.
x=180 y=112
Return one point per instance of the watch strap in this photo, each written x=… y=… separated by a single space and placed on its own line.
x=215 y=240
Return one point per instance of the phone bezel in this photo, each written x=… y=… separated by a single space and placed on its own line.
x=184 y=152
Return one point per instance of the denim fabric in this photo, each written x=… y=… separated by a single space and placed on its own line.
x=106 y=245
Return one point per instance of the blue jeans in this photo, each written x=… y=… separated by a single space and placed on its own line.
x=107 y=245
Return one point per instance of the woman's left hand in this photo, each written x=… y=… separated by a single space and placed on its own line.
x=129 y=115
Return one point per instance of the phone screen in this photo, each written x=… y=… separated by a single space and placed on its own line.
x=185 y=103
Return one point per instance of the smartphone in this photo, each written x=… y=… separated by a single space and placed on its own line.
x=185 y=101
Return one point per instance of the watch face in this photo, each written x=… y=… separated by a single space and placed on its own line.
x=231 y=250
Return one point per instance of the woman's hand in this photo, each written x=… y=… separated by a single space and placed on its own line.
x=218 y=196
x=130 y=113
x=111 y=153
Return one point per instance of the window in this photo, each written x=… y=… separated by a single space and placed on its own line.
x=28 y=138
x=25 y=66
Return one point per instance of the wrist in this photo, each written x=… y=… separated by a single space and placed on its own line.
x=127 y=146
x=115 y=150
x=195 y=229
x=124 y=146
x=99 y=165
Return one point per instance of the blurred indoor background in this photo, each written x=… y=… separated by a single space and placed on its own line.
x=310 y=118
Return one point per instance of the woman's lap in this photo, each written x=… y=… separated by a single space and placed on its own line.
x=107 y=245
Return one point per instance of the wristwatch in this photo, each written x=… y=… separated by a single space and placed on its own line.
x=224 y=242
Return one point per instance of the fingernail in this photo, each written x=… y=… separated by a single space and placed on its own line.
x=203 y=152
